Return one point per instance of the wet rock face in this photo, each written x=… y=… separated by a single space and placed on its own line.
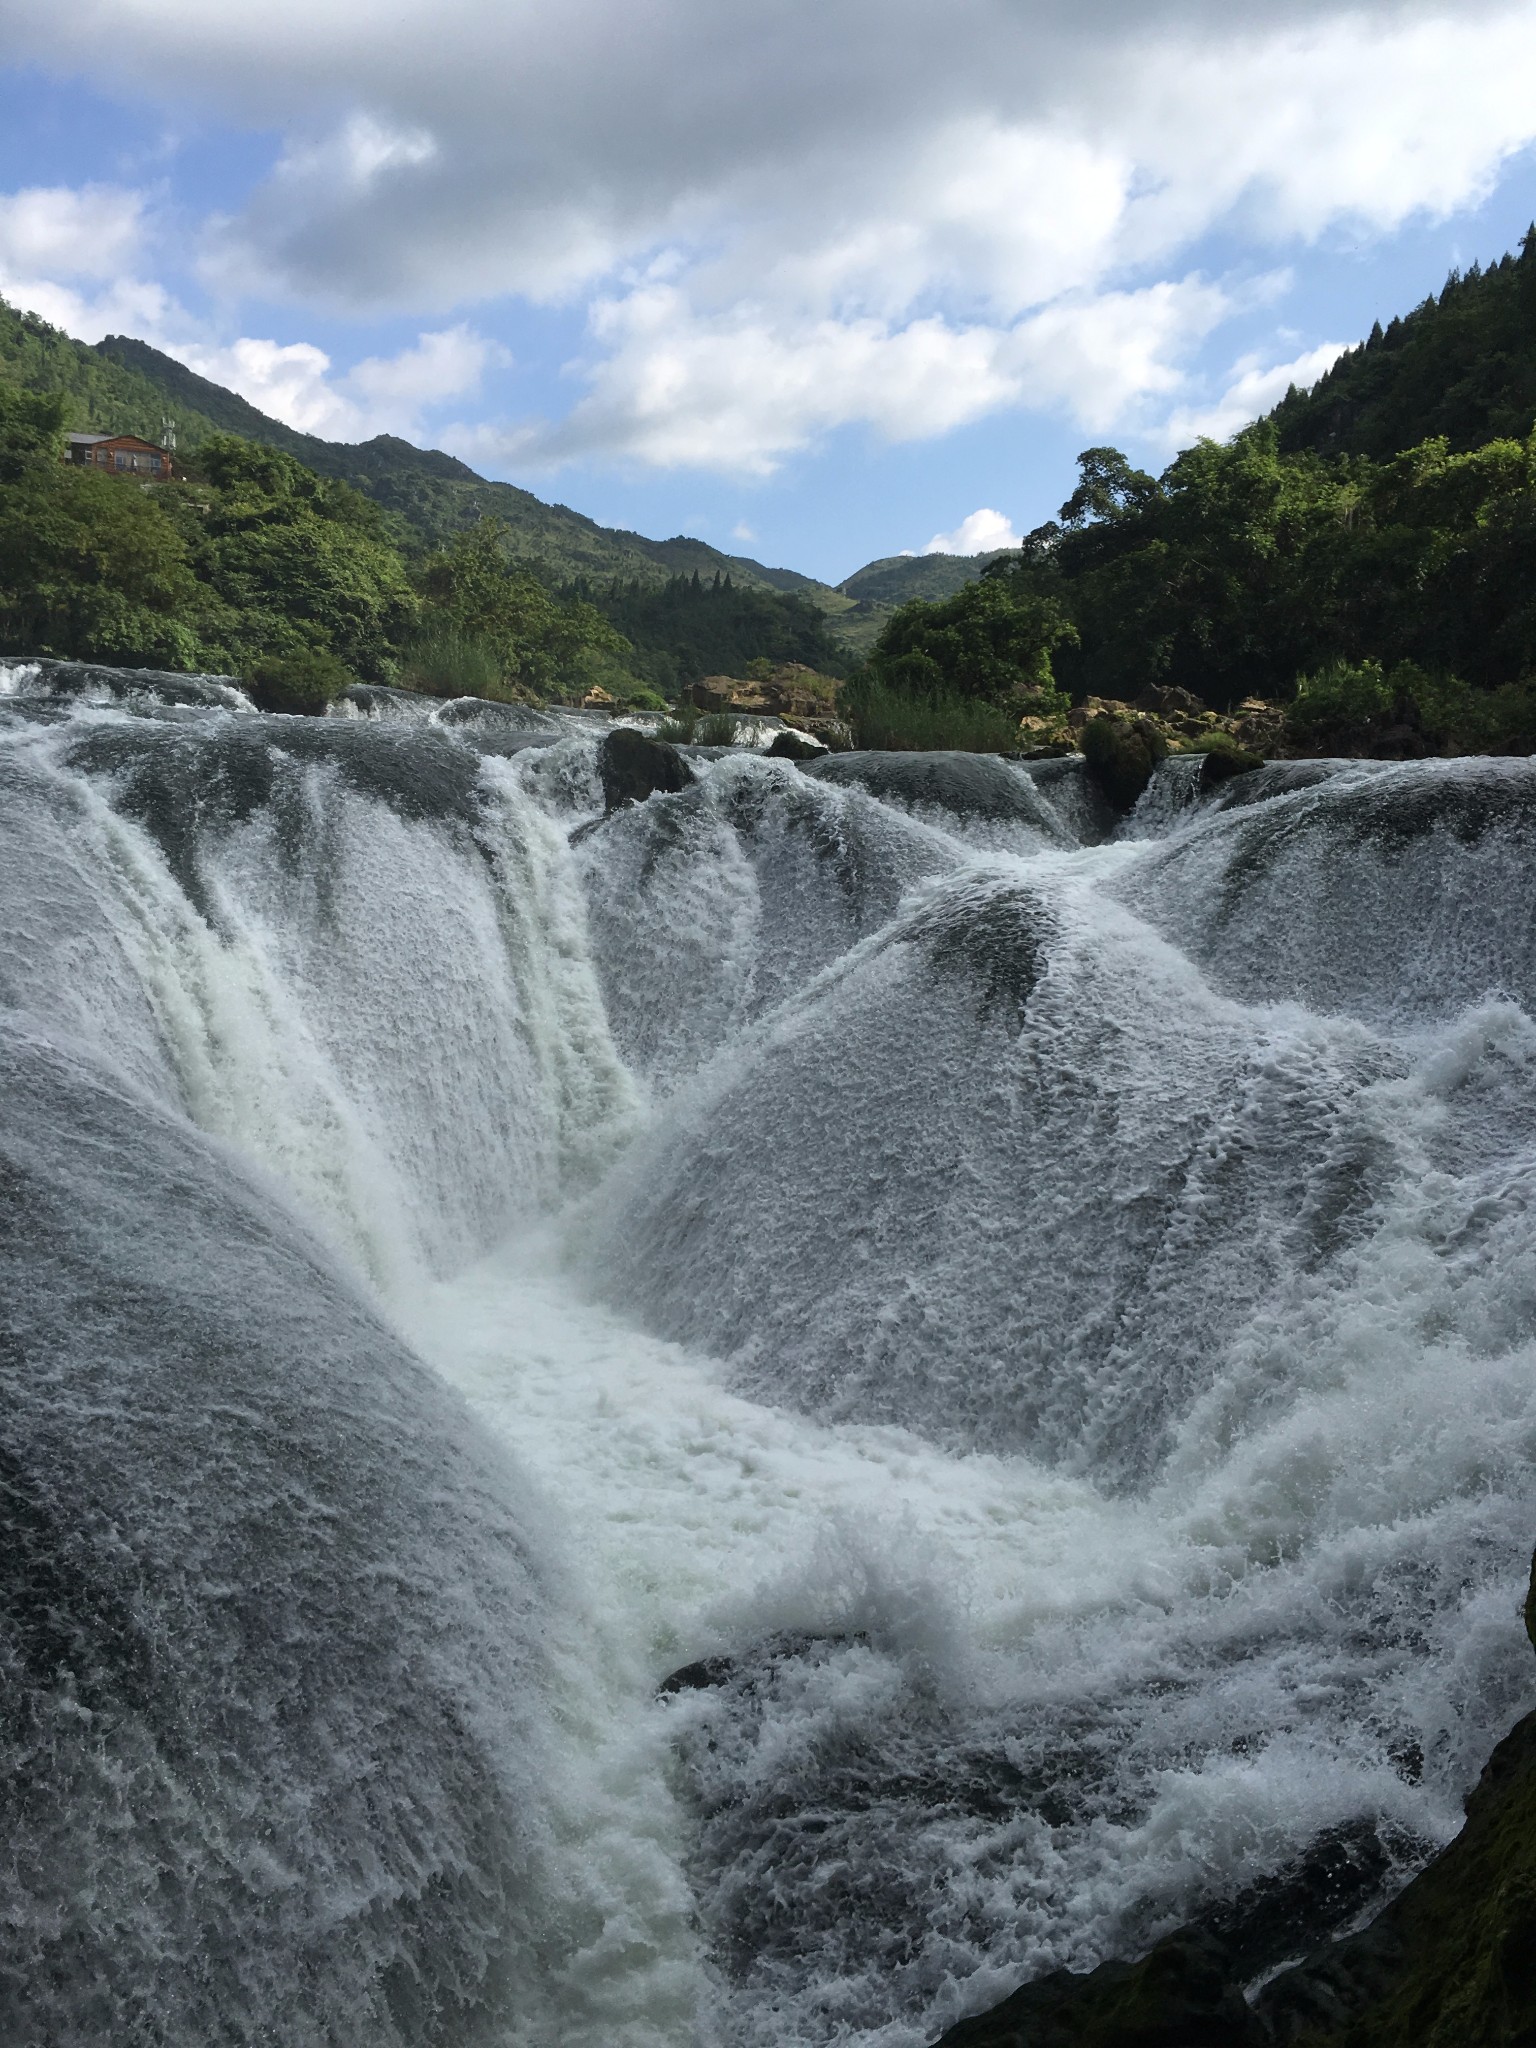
x=634 y=767
x=1180 y=1996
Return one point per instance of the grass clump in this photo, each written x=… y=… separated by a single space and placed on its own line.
x=894 y=721
x=452 y=664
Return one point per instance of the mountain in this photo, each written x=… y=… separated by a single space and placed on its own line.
x=1462 y=365
x=897 y=579
x=124 y=385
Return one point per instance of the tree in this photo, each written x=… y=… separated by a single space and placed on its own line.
x=992 y=640
x=539 y=643
x=90 y=568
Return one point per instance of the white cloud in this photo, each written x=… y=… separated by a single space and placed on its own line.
x=789 y=218
x=742 y=532
x=740 y=391
x=56 y=231
x=295 y=382
x=978 y=534
x=1254 y=388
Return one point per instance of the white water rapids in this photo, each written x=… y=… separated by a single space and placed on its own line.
x=1050 y=1324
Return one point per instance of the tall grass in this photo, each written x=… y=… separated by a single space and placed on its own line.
x=893 y=722
x=445 y=664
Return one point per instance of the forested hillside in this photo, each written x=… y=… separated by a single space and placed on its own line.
x=125 y=386
x=150 y=582
x=1462 y=365
x=1364 y=556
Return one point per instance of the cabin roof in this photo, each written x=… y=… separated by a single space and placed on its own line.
x=96 y=440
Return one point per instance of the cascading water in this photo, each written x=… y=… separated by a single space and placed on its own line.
x=1042 y=1331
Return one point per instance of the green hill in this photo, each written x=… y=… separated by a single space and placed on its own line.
x=125 y=386
x=897 y=579
x=1462 y=365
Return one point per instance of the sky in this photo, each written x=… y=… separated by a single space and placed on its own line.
x=818 y=281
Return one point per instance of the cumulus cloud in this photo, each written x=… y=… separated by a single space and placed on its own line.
x=297 y=383
x=1254 y=387
x=790 y=218
x=981 y=533
x=58 y=231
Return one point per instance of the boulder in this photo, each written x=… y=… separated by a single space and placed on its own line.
x=1122 y=753
x=1181 y=1995
x=796 y=746
x=633 y=767
x=1222 y=763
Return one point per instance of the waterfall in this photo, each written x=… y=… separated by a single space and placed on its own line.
x=1032 y=1321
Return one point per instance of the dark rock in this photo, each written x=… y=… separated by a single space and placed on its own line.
x=1181 y=1995
x=1451 y=1962
x=752 y=1667
x=795 y=746
x=634 y=767
x=1122 y=752
x=1222 y=763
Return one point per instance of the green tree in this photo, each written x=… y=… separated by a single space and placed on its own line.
x=298 y=563
x=541 y=645
x=993 y=641
x=90 y=567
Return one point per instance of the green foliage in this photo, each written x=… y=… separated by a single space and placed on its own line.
x=295 y=562
x=716 y=729
x=1355 y=708
x=540 y=643
x=89 y=566
x=992 y=640
x=899 y=721
x=31 y=430
x=1461 y=366
x=1122 y=754
x=1241 y=568
x=304 y=682
x=689 y=628
x=440 y=662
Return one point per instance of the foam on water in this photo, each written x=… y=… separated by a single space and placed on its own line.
x=1068 y=1364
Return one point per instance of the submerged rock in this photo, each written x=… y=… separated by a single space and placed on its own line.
x=634 y=767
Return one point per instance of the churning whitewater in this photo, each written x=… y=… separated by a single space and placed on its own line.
x=742 y=1424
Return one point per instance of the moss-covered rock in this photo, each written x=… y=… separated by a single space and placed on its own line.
x=303 y=683
x=1122 y=753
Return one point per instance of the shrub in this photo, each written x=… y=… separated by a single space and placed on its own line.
x=303 y=683
x=1352 y=709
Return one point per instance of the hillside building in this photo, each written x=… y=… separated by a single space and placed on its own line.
x=123 y=454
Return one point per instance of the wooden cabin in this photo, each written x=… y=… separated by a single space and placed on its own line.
x=122 y=454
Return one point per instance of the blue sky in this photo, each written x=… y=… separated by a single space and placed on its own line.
x=817 y=283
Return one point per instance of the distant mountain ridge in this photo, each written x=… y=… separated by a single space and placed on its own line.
x=126 y=385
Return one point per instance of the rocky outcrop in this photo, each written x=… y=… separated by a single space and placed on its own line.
x=802 y=697
x=1449 y=1963
x=633 y=767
